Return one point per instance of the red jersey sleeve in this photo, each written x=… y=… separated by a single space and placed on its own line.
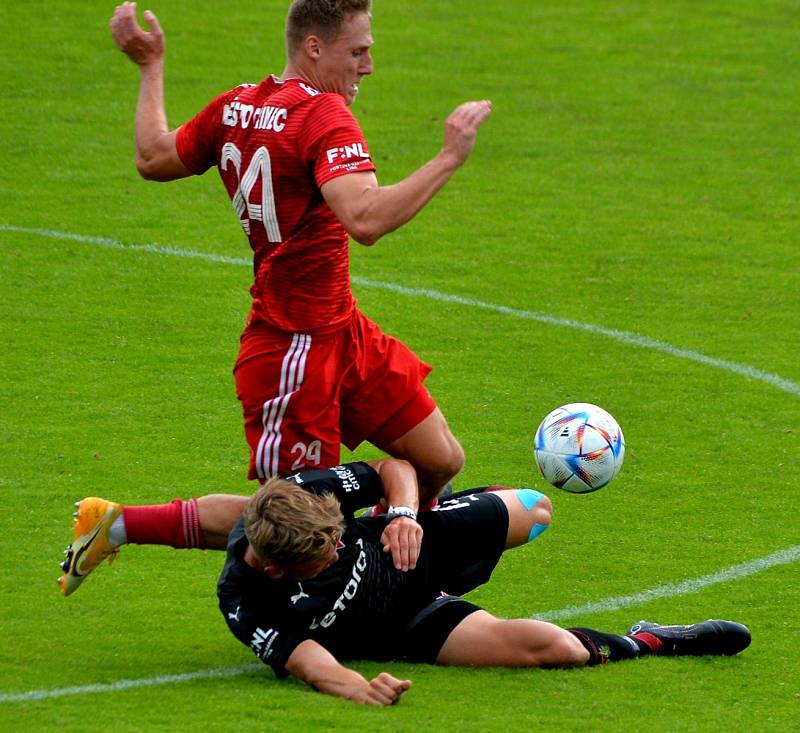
x=333 y=142
x=196 y=139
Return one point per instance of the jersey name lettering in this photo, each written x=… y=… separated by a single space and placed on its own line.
x=263 y=118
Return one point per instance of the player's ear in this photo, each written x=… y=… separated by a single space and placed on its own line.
x=313 y=47
x=272 y=571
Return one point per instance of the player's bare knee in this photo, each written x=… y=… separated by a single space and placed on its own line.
x=543 y=510
x=541 y=644
x=434 y=477
x=452 y=461
x=561 y=650
x=571 y=652
x=538 y=511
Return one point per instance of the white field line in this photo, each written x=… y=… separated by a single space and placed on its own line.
x=670 y=590
x=781 y=557
x=633 y=339
x=164 y=679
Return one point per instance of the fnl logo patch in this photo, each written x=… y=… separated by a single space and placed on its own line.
x=347 y=152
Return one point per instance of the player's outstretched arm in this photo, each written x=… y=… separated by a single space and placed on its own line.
x=368 y=211
x=313 y=664
x=156 y=153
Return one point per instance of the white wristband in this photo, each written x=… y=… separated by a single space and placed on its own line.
x=401 y=511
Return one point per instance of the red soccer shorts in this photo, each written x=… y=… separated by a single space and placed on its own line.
x=303 y=396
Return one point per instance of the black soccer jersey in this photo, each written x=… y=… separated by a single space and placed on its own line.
x=341 y=603
x=361 y=606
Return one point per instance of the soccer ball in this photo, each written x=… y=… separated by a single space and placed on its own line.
x=579 y=448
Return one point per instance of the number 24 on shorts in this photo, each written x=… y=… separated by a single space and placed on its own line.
x=306 y=454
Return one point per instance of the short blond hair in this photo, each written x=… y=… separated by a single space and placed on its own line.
x=286 y=524
x=323 y=18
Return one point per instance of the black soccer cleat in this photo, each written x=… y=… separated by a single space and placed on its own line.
x=707 y=637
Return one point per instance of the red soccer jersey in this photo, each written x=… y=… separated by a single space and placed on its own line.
x=275 y=144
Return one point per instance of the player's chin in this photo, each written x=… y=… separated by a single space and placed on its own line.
x=351 y=94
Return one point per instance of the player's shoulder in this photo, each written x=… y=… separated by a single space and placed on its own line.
x=252 y=93
x=245 y=89
x=300 y=94
x=347 y=475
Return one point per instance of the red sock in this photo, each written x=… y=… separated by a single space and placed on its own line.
x=176 y=524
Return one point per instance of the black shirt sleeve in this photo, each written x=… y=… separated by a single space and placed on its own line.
x=355 y=485
x=254 y=608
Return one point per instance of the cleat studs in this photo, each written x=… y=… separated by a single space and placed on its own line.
x=64 y=565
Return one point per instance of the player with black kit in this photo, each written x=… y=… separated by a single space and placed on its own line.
x=306 y=584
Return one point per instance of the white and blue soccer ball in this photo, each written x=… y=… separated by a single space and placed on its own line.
x=579 y=447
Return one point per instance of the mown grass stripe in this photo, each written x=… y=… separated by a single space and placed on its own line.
x=633 y=339
x=670 y=590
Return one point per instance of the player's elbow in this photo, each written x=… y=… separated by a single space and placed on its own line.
x=365 y=225
x=159 y=161
x=149 y=169
x=364 y=233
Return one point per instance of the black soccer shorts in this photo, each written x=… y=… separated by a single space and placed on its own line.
x=464 y=539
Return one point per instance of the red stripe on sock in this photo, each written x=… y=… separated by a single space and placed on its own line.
x=652 y=641
x=186 y=523
x=201 y=537
x=195 y=532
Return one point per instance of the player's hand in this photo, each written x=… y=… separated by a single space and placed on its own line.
x=403 y=538
x=140 y=46
x=384 y=690
x=461 y=128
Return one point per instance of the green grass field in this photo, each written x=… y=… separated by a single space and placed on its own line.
x=626 y=233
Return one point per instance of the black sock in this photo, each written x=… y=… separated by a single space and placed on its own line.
x=604 y=647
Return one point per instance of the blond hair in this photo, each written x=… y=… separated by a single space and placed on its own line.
x=323 y=18
x=287 y=524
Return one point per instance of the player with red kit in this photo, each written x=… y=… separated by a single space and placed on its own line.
x=312 y=370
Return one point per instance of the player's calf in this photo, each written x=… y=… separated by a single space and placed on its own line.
x=482 y=640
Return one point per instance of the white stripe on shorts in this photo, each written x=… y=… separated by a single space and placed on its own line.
x=292 y=372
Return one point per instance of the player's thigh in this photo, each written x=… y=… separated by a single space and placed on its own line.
x=288 y=389
x=383 y=395
x=429 y=445
x=464 y=539
x=482 y=640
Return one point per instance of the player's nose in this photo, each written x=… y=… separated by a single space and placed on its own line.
x=366 y=66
